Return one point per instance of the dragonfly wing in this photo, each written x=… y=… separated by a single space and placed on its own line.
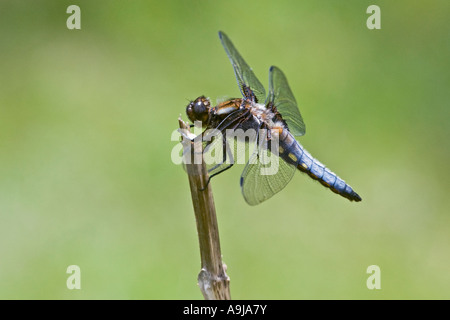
x=249 y=85
x=220 y=150
x=264 y=175
x=280 y=95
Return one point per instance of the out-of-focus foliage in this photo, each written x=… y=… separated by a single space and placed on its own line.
x=86 y=177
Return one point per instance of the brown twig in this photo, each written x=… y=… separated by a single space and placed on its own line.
x=212 y=279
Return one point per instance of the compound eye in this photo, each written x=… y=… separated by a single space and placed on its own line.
x=199 y=107
x=198 y=110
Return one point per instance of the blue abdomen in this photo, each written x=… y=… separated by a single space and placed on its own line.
x=294 y=153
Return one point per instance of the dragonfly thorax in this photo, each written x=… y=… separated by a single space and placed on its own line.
x=265 y=115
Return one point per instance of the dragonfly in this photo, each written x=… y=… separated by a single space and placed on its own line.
x=275 y=122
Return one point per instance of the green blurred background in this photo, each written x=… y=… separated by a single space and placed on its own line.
x=86 y=177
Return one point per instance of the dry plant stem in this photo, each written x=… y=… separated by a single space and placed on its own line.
x=212 y=279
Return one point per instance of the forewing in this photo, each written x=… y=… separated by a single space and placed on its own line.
x=280 y=95
x=248 y=83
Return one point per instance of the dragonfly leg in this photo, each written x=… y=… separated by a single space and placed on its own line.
x=226 y=151
x=215 y=174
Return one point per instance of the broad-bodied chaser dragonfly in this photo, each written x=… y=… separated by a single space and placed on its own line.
x=275 y=119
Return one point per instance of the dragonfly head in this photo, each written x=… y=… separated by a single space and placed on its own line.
x=198 y=110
